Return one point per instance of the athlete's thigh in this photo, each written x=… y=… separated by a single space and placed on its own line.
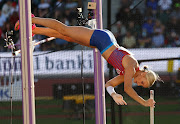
x=79 y=33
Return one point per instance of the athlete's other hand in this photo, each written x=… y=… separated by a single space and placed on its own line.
x=150 y=103
x=118 y=99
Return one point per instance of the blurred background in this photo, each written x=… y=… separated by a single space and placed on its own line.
x=151 y=30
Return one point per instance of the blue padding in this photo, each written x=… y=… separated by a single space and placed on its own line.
x=102 y=39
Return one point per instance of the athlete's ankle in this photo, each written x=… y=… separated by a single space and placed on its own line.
x=17 y=25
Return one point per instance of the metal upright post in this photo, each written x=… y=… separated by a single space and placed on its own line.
x=27 y=62
x=100 y=110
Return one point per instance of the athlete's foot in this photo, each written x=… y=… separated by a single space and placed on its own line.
x=16 y=27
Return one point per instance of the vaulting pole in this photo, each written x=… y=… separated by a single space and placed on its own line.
x=27 y=62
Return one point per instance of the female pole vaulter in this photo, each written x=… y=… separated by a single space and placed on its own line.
x=120 y=58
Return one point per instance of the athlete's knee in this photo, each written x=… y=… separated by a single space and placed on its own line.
x=64 y=30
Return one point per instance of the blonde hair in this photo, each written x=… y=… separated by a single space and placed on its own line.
x=151 y=75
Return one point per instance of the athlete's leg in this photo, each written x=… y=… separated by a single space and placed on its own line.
x=47 y=32
x=53 y=33
x=79 y=33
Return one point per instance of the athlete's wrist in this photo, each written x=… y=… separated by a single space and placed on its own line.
x=144 y=103
x=110 y=90
x=113 y=94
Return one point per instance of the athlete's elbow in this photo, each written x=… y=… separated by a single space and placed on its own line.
x=108 y=84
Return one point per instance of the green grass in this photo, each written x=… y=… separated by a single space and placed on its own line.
x=173 y=119
x=15 y=121
x=51 y=112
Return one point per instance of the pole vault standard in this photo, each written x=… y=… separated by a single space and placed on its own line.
x=27 y=62
x=151 y=108
x=99 y=86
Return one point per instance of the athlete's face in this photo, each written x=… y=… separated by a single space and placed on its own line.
x=141 y=80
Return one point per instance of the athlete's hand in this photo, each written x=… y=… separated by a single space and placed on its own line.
x=150 y=103
x=118 y=99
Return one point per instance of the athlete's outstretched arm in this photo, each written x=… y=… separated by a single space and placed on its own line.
x=110 y=88
x=128 y=85
x=129 y=64
x=129 y=89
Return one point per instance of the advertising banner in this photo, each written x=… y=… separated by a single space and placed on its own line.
x=69 y=62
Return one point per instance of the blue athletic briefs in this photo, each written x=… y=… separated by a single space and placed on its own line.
x=102 y=39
